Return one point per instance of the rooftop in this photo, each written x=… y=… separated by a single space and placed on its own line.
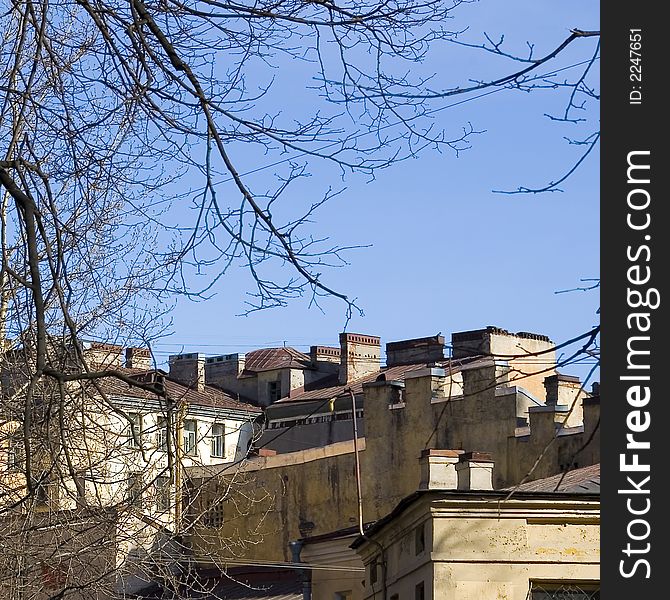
x=329 y=387
x=585 y=480
x=208 y=397
x=267 y=359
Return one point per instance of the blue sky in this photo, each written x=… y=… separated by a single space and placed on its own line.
x=445 y=253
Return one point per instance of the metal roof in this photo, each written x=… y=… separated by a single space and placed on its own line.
x=267 y=359
x=585 y=480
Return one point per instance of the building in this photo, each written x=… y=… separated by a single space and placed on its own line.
x=116 y=448
x=260 y=377
x=538 y=541
x=499 y=392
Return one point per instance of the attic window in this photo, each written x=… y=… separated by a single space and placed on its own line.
x=274 y=390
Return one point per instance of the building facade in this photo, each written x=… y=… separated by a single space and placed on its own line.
x=113 y=448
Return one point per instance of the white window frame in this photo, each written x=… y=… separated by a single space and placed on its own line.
x=190 y=438
x=162 y=434
x=218 y=441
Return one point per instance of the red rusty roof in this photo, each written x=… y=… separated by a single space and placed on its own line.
x=267 y=359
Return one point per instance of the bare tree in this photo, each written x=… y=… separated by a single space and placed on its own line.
x=120 y=120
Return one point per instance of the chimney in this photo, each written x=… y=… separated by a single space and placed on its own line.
x=419 y=350
x=138 y=358
x=438 y=469
x=102 y=356
x=561 y=389
x=475 y=471
x=530 y=355
x=321 y=354
x=188 y=369
x=565 y=390
x=360 y=355
x=220 y=369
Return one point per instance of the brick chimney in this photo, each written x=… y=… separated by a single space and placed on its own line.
x=138 y=358
x=102 y=356
x=360 y=355
x=405 y=352
x=220 y=369
x=321 y=354
x=188 y=369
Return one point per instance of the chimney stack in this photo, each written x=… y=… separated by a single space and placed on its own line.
x=101 y=355
x=188 y=369
x=561 y=389
x=406 y=352
x=475 y=471
x=360 y=355
x=138 y=358
x=438 y=469
x=455 y=470
x=321 y=354
x=531 y=356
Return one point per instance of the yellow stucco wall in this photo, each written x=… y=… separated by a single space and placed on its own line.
x=277 y=499
x=273 y=500
x=485 y=550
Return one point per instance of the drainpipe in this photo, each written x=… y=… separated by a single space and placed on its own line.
x=303 y=574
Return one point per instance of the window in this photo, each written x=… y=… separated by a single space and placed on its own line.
x=373 y=572
x=218 y=448
x=419 y=591
x=213 y=516
x=348 y=595
x=46 y=493
x=569 y=591
x=134 y=430
x=134 y=489
x=419 y=540
x=274 y=390
x=190 y=437
x=162 y=435
x=163 y=493
x=16 y=452
x=42 y=492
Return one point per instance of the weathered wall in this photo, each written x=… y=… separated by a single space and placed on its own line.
x=482 y=549
x=276 y=499
x=307 y=493
x=402 y=420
